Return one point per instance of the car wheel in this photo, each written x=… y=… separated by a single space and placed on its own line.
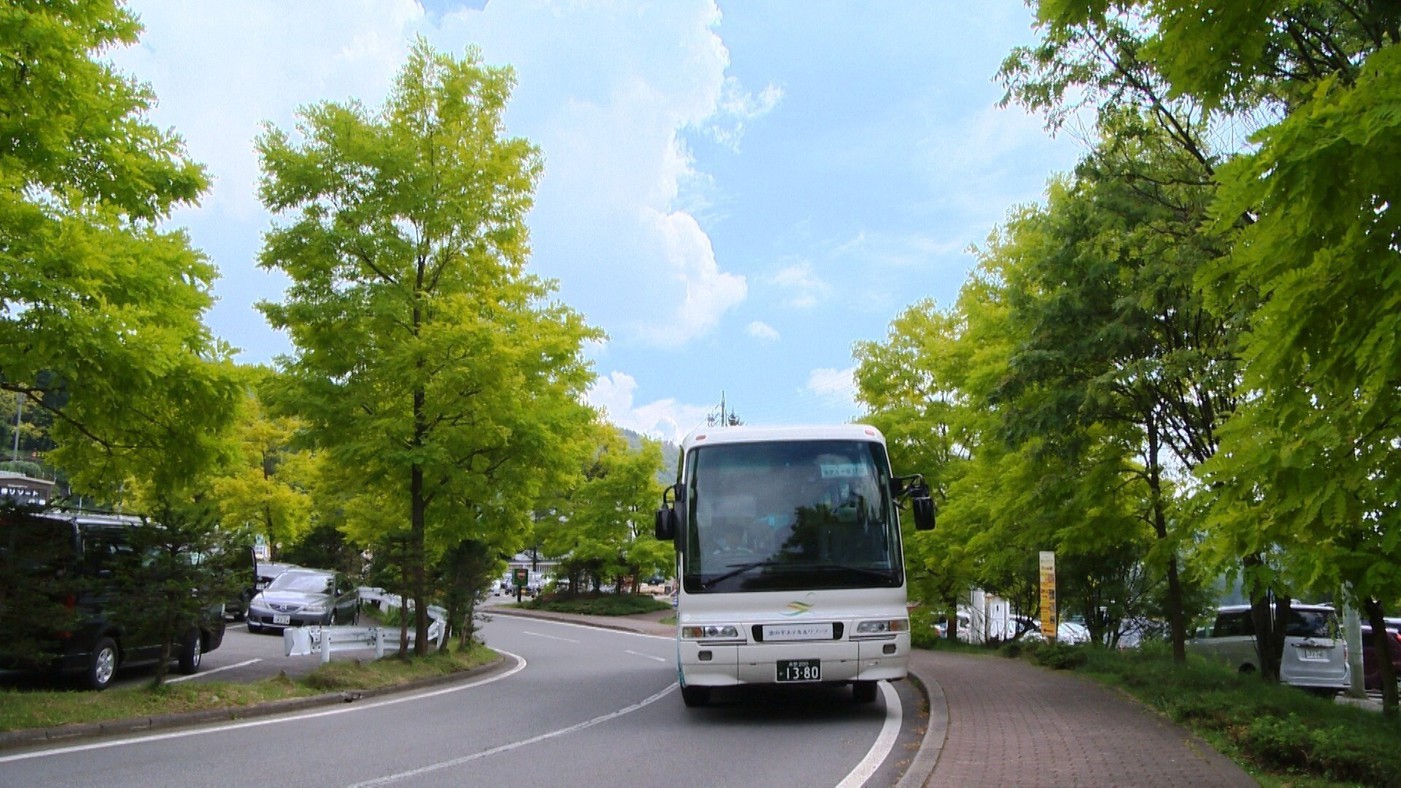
x=102 y=665
x=695 y=696
x=191 y=653
x=863 y=691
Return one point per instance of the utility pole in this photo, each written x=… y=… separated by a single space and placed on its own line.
x=727 y=417
x=19 y=414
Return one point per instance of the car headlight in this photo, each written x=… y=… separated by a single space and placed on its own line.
x=315 y=607
x=884 y=626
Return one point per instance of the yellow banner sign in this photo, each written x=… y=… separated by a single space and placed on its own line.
x=1049 y=618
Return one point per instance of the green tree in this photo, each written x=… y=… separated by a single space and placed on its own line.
x=100 y=309
x=606 y=532
x=1307 y=467
x=269 y=490
x=907 y=384
x=431 y=369
x=1117 y=333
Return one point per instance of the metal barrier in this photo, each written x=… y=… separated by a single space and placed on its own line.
x=304 y=641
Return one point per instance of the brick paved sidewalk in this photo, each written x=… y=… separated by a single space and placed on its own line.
x=1008 y=723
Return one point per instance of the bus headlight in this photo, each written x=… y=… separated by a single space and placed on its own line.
x=710 y=632
x=884 y=626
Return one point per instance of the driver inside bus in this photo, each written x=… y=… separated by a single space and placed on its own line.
x=730 y=538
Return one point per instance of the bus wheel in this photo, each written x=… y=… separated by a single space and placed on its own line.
x=695 y=696
x=863 y=691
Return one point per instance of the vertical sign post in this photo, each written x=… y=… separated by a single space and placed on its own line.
x=1049 y=619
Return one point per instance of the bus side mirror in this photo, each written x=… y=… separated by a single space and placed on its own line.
x=668 y=518
x=921 y=504
x=923 y=507
x=665 y=525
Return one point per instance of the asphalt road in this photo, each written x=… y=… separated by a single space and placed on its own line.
x=572 y=705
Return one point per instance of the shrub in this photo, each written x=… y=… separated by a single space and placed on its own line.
x=1061 y=656
x=598 y=604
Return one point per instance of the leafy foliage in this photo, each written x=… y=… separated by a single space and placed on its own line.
x=602 y=530
x=102 y=310
x=442 y=387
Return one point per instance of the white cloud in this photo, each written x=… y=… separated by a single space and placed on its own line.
x=706 y=291
x=903 y=251
x=737 y=108
x=801 y=285
x=761 y=330
x=664 y=419
x=835 y=387
x=608 y=91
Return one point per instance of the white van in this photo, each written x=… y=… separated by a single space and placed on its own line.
x=1315 y=655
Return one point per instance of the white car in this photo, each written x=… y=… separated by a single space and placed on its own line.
x=1315 y=655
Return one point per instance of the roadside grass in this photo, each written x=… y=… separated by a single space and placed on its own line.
x=597 y=604
x=50 y=706
x=1284 y=736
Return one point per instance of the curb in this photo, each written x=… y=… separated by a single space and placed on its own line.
x=936 y=729
x=90 y=730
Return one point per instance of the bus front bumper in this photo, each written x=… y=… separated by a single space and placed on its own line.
x=720 y=665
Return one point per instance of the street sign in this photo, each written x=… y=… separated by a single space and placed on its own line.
x=1049 y=618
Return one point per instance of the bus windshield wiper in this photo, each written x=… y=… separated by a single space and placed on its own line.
x=736 y=569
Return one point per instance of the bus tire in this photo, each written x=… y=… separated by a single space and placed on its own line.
x=695 y=696
x=863 y=691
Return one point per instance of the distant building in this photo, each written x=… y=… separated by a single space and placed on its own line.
x=18 y=488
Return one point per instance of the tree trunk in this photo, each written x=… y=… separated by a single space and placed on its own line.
x=1177 y=620
x=418 y=573
x=1382 y=645
x=1268 y=615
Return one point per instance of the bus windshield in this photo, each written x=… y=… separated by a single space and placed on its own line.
x=787 y=515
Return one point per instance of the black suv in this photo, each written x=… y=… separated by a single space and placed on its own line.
x=58 y=592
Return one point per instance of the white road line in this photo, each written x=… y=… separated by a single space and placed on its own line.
x=648 y=656
x=548 y=637
x=212 y=671
x=393 y=778
x=340 y=709
x=889 y=732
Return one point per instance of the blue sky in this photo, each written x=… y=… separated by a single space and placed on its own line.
x=735 y=192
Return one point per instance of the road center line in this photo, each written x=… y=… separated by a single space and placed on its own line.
x=548 y=637
x=433 y=767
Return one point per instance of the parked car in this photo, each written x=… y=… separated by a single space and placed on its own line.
x=1315 y=654
x=1371 y=667
x=237 y=607
x=60 y=575
x=301 y=597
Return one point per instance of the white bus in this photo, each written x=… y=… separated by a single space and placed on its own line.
x=789 y=558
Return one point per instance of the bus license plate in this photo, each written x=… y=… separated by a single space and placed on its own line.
x=799 y=670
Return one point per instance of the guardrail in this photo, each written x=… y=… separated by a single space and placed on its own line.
x=305 y=641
